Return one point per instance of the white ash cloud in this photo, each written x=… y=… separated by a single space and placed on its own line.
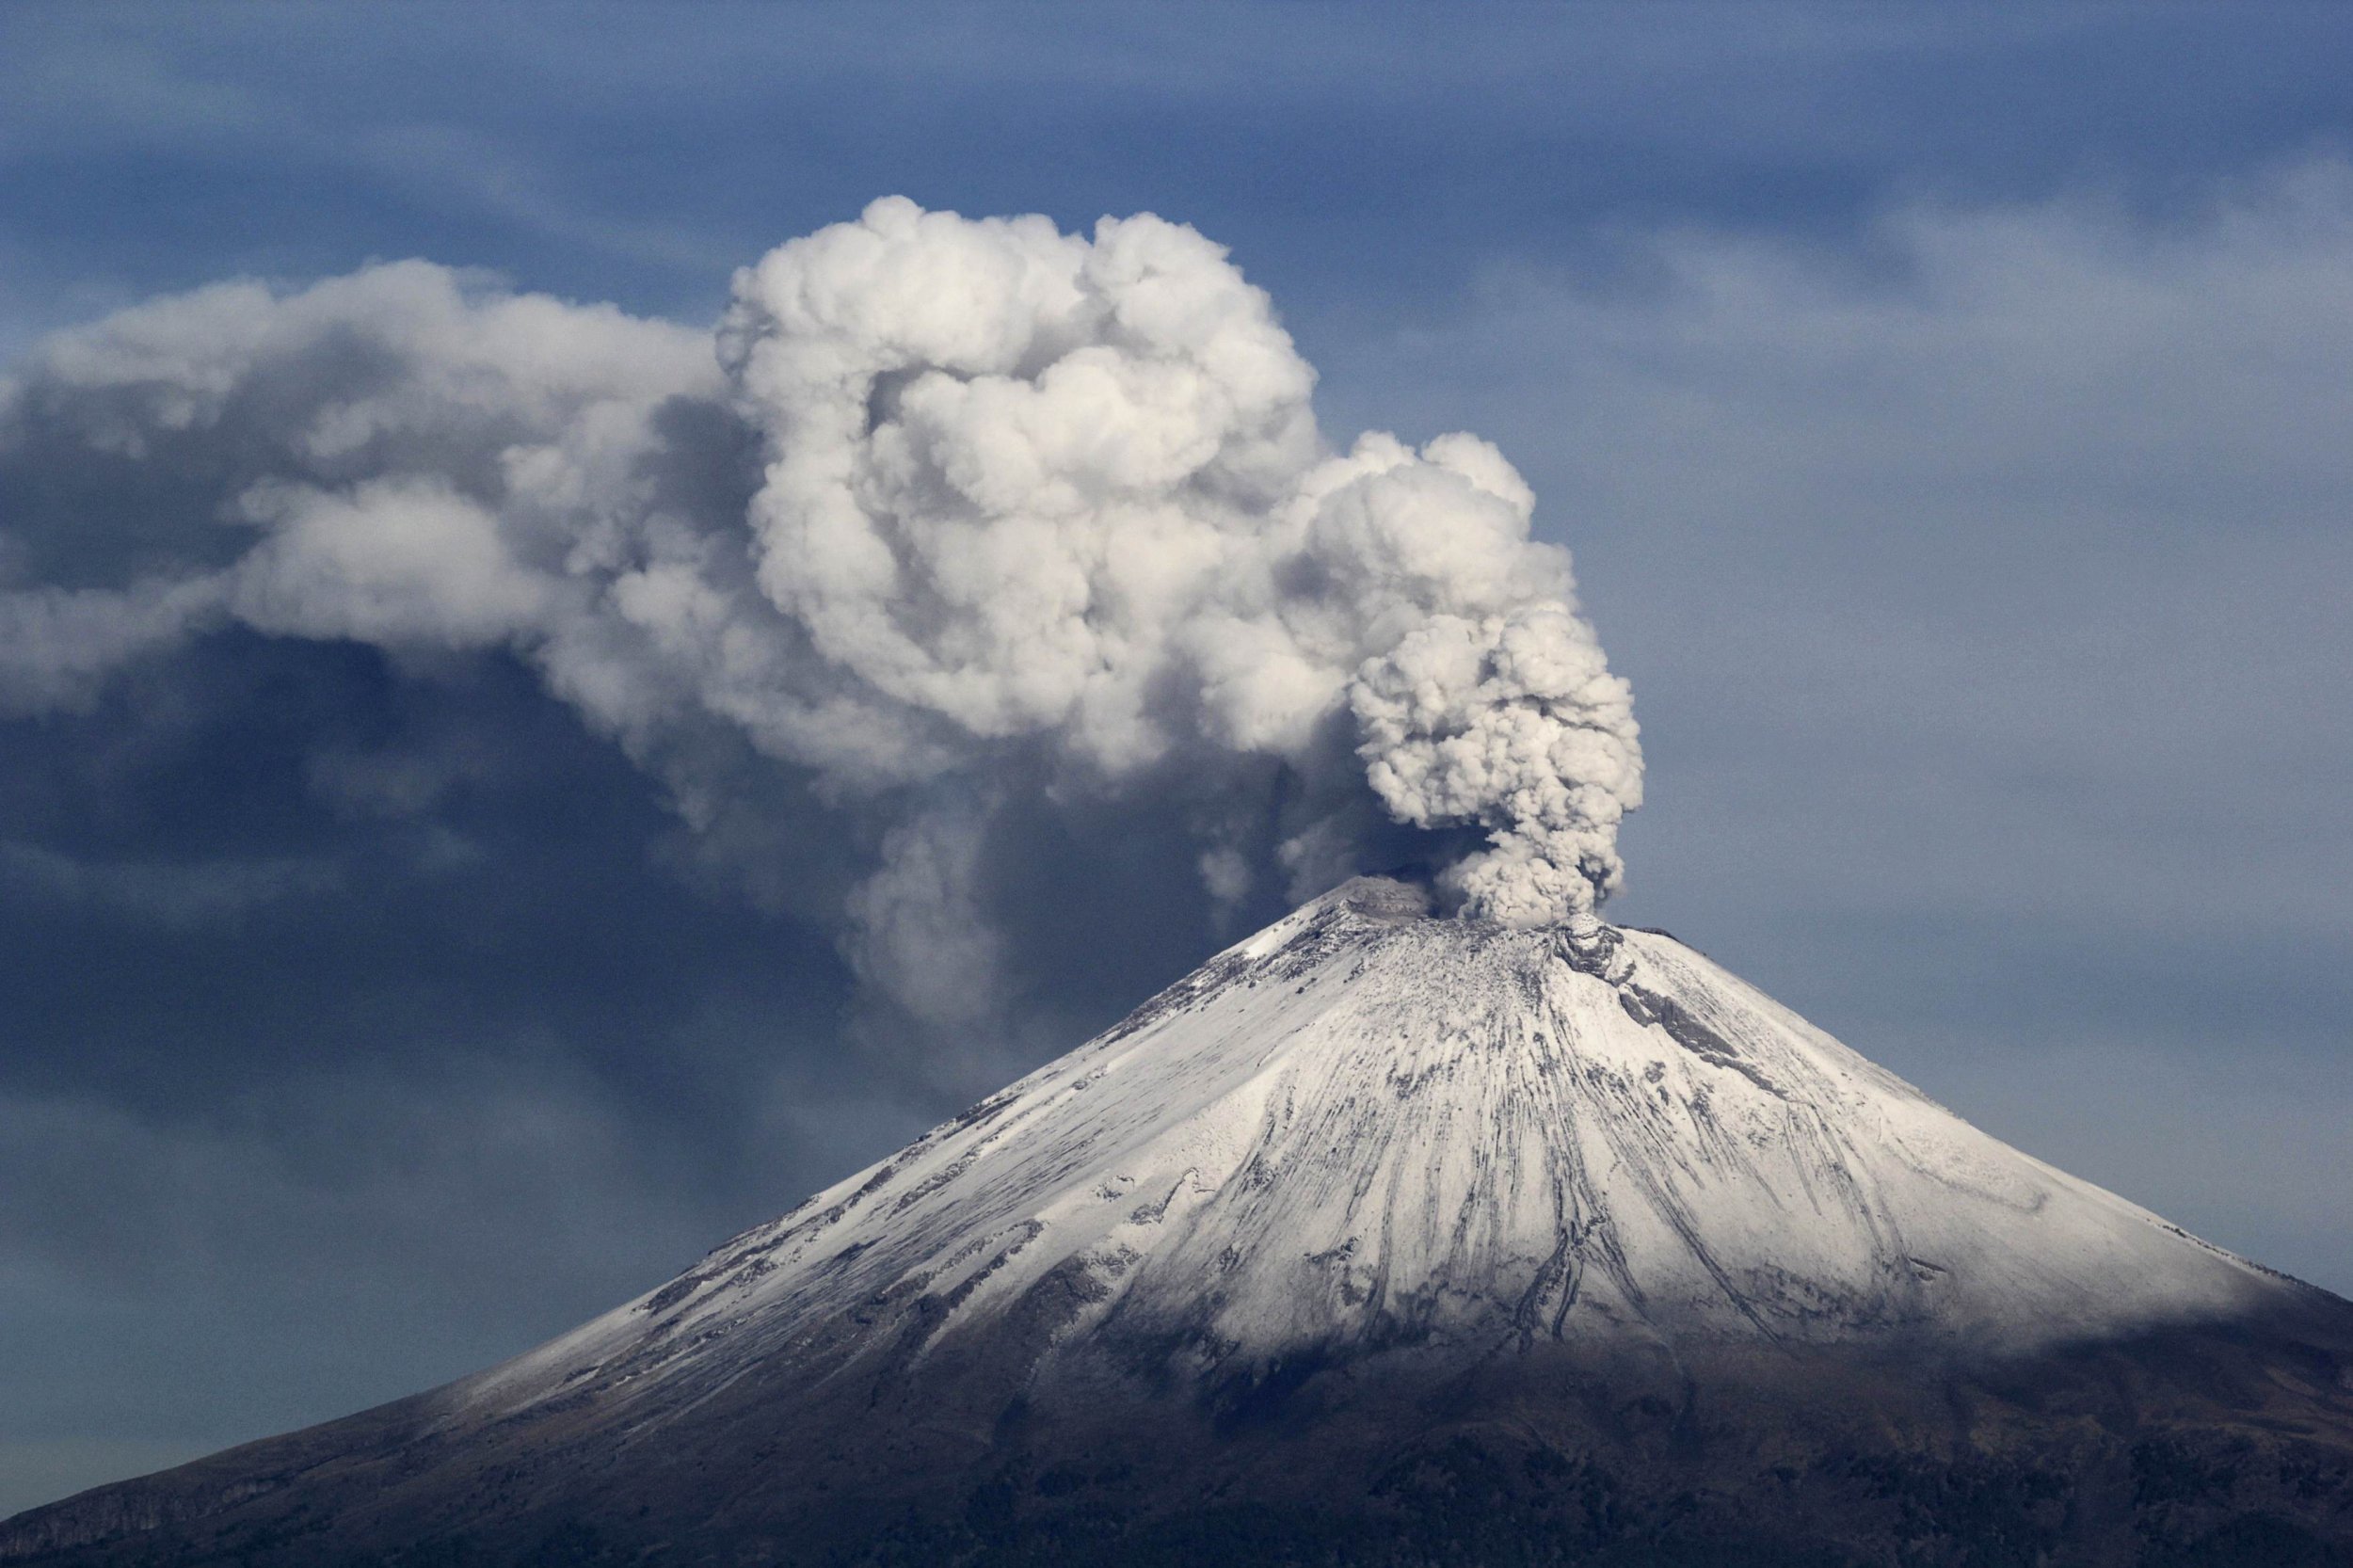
x=1515 y=723
x=920 y=931
x=1042 y=486
x=948 y=510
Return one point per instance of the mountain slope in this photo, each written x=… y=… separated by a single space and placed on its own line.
x=1369 y=1203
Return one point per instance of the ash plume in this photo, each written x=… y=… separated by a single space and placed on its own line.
x=954 y=521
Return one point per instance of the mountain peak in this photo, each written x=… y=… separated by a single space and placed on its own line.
x=1365 y=1129
x=1364 y=1175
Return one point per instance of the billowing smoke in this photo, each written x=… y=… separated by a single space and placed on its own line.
x=961 y=520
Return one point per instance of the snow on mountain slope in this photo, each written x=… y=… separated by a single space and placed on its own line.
x=1365 y=1126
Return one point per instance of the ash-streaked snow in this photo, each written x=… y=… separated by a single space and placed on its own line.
x=1366 y=1128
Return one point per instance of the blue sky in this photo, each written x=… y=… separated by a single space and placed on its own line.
x=1945 y=406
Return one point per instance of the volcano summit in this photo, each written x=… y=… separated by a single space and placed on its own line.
x=1380 y=1238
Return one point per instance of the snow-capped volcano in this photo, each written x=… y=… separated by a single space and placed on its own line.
x=1363 y=1127
x=1367 y=1182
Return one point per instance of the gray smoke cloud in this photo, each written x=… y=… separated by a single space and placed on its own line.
x=949 y=515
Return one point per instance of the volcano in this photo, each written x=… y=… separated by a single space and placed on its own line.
x=1380 y=1238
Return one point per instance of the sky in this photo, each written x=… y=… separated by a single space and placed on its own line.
x=1945 y=407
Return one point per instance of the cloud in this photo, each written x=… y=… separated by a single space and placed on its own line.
x=961 y=514
x=950 y=510
x=64 y=642
x=917 y=929
x=385 y=562
x=1070 y=493
x=182 y=895
x=1983 y=565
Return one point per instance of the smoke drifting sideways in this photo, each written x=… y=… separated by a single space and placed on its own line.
x=953 y=522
